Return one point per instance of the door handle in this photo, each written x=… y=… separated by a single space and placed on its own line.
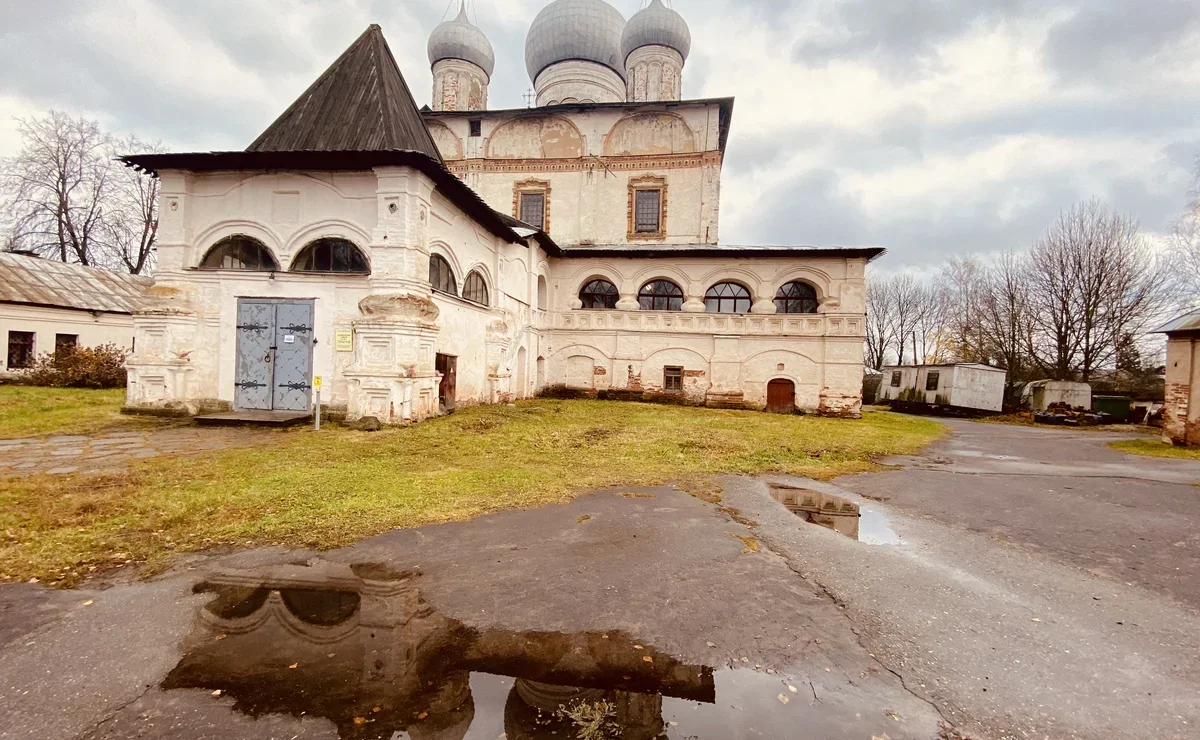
x=267 y=356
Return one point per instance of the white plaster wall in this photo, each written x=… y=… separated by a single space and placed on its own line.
x=93 y=328
x=654 y=73
x=459 y=85
x=578 y=81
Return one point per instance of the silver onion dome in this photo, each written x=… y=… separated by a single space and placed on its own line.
x=575 y=29
x=460 y=39
x=656 y=25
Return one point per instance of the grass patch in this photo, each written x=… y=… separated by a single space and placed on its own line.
x=330 y=488
x=1155 y=448
x=29 y=411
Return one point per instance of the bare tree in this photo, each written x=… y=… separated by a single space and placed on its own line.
x=1003 y=315
x=1093 y=279
x=962 y=284
x=879 y=322
x=65 y=196
x=906 y=299
x=932 y=340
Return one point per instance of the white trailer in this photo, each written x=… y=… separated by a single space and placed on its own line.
x=965 y=385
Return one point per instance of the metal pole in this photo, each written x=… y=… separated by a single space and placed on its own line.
x=317 y=416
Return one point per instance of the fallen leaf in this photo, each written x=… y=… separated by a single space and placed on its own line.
x=360 y=720
x=422 y=715
x=638 y=647
x=745 y=660
x=892 y=715
x=791 y=688
x=330 y=655
x=647 y=658
x=294 y=665
x=89 y=602
x=884 y=736
x=217 y=692
x=376 y=709
x=782 y=699
x=221 y=636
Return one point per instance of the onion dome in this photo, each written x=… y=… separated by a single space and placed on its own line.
x=656 y=25
x=589 y=30
x=461 y=39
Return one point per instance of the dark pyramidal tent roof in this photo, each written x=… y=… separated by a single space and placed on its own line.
x=361 y=103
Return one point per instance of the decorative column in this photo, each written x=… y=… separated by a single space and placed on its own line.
x=392 y=376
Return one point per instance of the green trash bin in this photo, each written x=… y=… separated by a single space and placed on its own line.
x=1115 y=406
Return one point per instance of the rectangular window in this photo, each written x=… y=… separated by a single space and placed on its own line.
x=672 y=379
x=65 y=342
x=20 y=349
x=895 y=378
x=533 y=209
x=476 y=126
x=931 y=382
x=647 y=211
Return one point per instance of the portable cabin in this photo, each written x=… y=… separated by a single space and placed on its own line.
x=965 y=385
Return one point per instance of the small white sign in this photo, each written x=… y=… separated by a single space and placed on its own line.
x=289 y=338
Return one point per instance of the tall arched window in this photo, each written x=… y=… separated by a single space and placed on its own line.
x=330 y=254
x=796 y=297
x=727 y=298
x=599 y=293
x=660 y=295
x=441 y=277
x=474 y=289
x=239 y=252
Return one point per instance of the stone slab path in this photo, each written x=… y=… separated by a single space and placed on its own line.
x=113 y=451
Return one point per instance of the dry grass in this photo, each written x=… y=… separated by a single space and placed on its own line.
x=330 y=488
x=1156 y=448
x=28 y=411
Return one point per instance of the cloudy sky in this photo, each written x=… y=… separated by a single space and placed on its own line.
x=931 y=127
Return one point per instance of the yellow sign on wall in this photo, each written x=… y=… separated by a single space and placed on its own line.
x=317 y=382
x=343 y=340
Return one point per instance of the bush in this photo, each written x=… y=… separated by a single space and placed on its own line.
x=79 y=367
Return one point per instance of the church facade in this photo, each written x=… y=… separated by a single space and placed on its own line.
x=422 y=260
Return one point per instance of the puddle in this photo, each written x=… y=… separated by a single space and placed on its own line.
x=862 y=522
x=359 y=646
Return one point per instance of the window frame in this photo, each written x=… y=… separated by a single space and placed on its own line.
x=672 y=376
x=896 y=377
x=641 y=185
x=654 y=297
x=788 y=300
x=436 y=258
x=242 y=241
x=591 y=301
x=933 y=377
x=531 y=186
x=474 y=127
x=330 y=243
x=30 y=349
x=748 y=298
x=475 y=276
x=524 y=197
x=62 y=341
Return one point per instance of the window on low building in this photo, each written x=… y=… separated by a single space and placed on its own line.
x=660 y=295
x=331 y=254
x=727 y=298
x=441 y=277
x=599 y=293
x=895 y=378
x=239 y=252
x=533 y=209
x=796 y=297
x=475 y=289
x=931 y=381
x=672 y=379
x=65 y=342
x=20 y=349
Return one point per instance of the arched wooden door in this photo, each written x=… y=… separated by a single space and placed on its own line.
x=781 y=396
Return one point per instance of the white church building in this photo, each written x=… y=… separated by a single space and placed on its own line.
x=422 y=260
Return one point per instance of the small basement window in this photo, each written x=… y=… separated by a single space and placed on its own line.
x=895 y=378
x=476 y=126
x=931 y=382
x=673 y=379
x=20 y=349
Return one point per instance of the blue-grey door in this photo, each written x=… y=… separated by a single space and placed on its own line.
x=274 y=355
x=293 y=356
x=252 y=376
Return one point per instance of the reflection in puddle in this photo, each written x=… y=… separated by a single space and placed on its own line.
x=862 y=522
x=359 y=646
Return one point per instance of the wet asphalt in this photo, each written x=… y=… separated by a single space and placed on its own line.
x=1033 y=584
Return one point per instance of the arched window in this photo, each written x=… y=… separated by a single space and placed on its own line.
x=727 y=298
x=239 y=252
x=599 y=294
x=441 y=277
x=474 y=289
x=660 y=295
x=796 y=297
x=330 y=254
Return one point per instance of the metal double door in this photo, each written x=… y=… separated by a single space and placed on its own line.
x=274 y=355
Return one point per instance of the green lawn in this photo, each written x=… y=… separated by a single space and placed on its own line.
x=329 y=488
x=28 y=411
x=1156 y=447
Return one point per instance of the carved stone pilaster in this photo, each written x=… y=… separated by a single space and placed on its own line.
x=392 y=376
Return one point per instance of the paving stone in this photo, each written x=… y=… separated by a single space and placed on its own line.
x=70 y=451
x=61 y=439
x=63 y=470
